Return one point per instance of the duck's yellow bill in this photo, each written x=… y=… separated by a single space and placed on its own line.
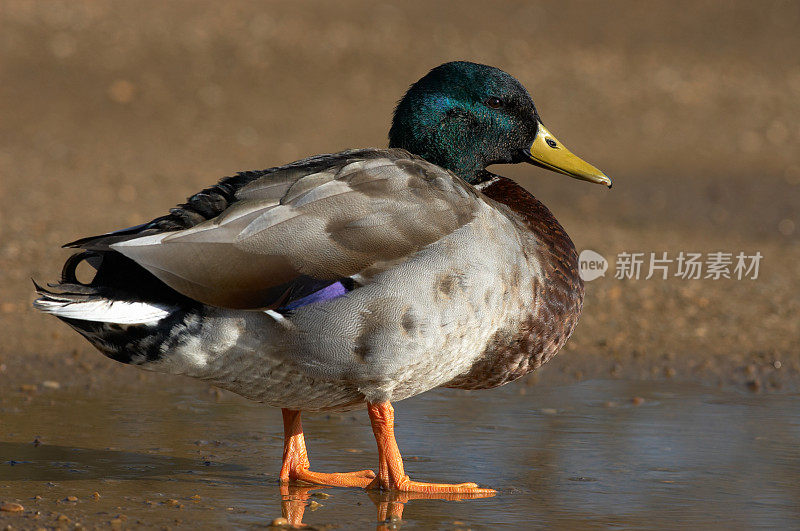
x=549 y=153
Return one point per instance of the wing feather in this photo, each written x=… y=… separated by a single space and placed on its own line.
x=328 y=220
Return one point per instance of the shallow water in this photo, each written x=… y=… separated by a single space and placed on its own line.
x=598 y=453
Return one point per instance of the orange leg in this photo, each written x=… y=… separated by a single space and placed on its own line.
x=295 y=459
x=391 y=474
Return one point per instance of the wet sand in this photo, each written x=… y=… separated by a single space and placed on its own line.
x=114 y=112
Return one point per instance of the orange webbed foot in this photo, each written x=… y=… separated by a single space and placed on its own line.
x=296 y=465
x=405 y=484
x=360 y=478
x=391 y=473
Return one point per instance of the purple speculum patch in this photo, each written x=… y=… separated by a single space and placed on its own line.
x=337 y=289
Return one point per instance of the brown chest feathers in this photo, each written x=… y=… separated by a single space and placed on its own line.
x=539 y=332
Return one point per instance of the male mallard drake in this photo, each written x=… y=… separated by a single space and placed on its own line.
x=352 y=279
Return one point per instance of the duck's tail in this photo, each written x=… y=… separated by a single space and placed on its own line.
x=105 y=299
x=118 y=310
x=80 y=306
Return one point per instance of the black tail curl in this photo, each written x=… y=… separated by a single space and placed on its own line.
x=69 y=271
x=116 y=278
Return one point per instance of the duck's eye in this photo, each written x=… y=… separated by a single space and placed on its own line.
x=551 y=143
x=494 y=102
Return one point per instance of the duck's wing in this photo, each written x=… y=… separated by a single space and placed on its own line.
x=316 y=221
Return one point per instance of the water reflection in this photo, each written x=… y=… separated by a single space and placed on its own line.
x=296 y=498
x=55 y=465
x=580 y=455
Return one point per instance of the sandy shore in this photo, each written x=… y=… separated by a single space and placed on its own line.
x=112 y=113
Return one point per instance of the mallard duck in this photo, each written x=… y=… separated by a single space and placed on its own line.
x=353 y=279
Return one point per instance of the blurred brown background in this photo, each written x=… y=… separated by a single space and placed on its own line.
x=112 y=112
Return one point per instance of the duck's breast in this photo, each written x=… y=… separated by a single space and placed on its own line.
x=535 y=331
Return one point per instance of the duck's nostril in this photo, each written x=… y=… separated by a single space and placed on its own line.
x=551 y=143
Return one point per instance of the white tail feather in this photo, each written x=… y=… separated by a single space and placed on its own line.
x=104 y=310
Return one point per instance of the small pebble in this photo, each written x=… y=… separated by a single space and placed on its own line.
x=11 y=507
x=172 y=503
x=279 y=522
x=96 y=495
x=62 y=518
x=50 y=384
x=314 y=505
x=196 y=497
x=637 y=400
x=71 y=498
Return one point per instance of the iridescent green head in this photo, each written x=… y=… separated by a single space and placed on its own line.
x=466 y=116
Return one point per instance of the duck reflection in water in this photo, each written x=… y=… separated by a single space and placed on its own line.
x=295 y=498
